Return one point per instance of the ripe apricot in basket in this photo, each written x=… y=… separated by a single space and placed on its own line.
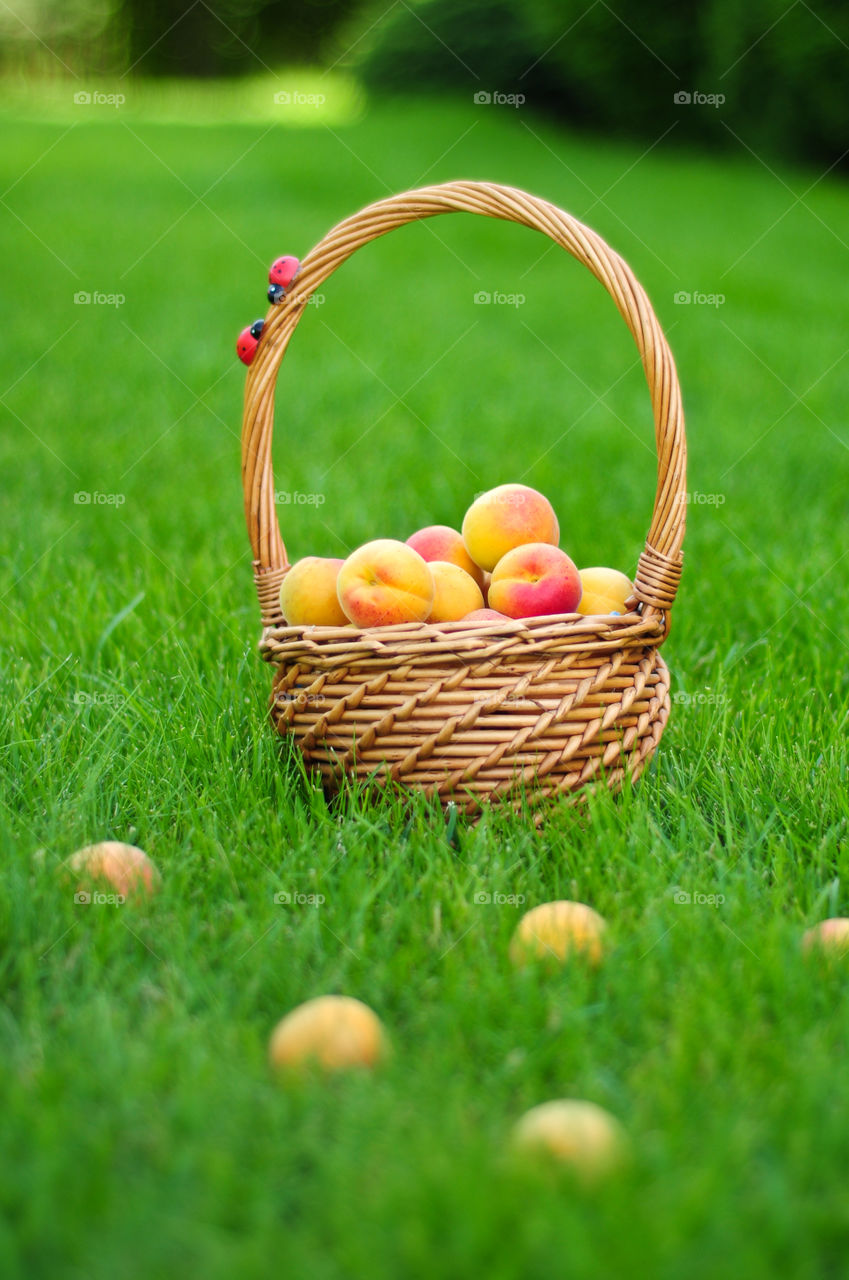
x=125 y=867
x=575 y=1133
x=504 y=518
x=308 y=593
x=557 y=931
x=604 y=591
x=441 y=542
x=829 y=937
x=455 y=592
x=335 y=1033
x=486 y=615
x=384 y=583
x=535 y=581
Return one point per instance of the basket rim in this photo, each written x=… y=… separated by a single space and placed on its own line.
x=456 y=643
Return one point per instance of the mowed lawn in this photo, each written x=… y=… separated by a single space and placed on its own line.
x=142 y=1134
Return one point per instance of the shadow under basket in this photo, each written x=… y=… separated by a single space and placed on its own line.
x=515 y=713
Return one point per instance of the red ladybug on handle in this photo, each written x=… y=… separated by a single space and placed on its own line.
x=281 y=275
x=248 y=340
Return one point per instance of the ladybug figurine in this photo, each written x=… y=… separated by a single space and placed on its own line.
x=281 y=275
x=246 y=343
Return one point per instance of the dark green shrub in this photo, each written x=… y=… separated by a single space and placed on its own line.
x=782 y=70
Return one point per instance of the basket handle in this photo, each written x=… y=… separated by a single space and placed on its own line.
x=659 y=567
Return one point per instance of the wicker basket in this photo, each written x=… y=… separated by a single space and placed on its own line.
x=512 y=712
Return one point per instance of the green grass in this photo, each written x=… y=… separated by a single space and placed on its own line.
x=142 y=1135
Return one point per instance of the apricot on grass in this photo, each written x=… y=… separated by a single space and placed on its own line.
x=604 y=591
x=335 y=1033
x=575 y=1133
x=384 y=583
x=308 y=593
x=506 y=517
x=829 y=937
x=533 y=581
x=125 y=867
x=441 y=542
x=558 y=931
x=455 y=593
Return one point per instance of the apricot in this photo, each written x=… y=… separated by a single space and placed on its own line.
x=384 y=583
x=308 y=593
x=829 y=937
x=575 y=1133
x=558 y=931
x=604 y=591
x=125 y=867
x=455 y=593
x=441 y=542
x=506 y=517
x=486 y=615
x=535 y=581
x=334 y=1032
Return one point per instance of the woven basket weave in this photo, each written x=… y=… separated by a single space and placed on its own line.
x=512 y=712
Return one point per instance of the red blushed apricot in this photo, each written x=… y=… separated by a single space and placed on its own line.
x=441 y=542
x=508 y=516
x=125 y=867
x=384 y=583
x=534 y=581
x=486 y=615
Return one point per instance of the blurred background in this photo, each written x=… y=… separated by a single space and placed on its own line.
x=157 y=156
x=777 y=70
